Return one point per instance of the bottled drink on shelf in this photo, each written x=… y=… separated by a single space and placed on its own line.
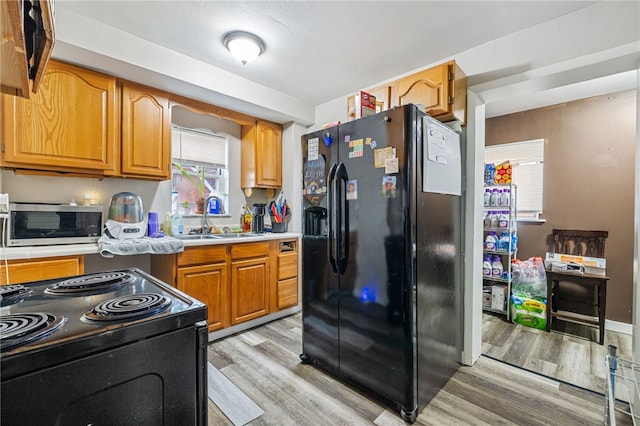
x=495 y=219
x=503 y=219
x=505 y=197
x=487 y=197
x=496 y=267
x=495 y=196
x=486 y=266
x=503 y=242
x=490 y=241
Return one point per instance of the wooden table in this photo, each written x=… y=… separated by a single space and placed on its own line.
x=585 y=280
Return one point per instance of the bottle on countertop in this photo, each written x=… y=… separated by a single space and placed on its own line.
x=245 y=219
x=177 y=225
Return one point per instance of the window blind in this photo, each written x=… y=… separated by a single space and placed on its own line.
x=527 y=158
x=198 y=148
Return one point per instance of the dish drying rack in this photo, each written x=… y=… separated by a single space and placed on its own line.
x=623 y=384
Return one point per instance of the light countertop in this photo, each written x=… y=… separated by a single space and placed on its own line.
x=34 y=252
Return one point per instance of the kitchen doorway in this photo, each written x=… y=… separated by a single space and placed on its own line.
x=475 y=323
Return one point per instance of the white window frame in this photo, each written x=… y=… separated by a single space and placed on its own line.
x=527 y=159
x=202 y=148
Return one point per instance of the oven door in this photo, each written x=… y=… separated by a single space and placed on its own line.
x=157 y=381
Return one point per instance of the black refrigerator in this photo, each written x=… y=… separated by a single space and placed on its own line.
x=382 y=219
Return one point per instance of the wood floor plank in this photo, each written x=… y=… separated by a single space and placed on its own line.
x=570 y=352
x=266 y=367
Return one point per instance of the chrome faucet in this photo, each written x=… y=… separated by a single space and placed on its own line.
x=205 y=225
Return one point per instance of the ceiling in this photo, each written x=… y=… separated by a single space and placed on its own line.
x=318 y=51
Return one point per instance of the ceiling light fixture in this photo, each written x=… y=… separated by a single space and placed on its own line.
x=244 y=46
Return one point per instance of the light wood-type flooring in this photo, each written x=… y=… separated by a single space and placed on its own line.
x=569 y=352
x=264 y=364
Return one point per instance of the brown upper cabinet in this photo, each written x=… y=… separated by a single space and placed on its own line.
x=441 y=89
x=82 y=121
x=70 y=123
x=146 y=132
x=23 y=61
x=261 y=164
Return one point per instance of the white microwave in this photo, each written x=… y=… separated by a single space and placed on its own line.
x=35 y=224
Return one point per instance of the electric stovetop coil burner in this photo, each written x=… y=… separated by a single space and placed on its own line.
x=20 y=329
x=129 y=307
x=90 y=284
x=12 y=294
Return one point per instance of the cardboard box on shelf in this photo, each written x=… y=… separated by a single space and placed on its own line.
x=590 y=265
x=498 y=297
x=365 y=104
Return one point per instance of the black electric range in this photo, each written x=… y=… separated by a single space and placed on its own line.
x=117 y=347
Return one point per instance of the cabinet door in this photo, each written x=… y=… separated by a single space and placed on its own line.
x=249 y=289
x=428 y=87
x=70 y=123
x=21 y=271
x=208 y=284
x=261 y=165
x=146 y=132
x=269 y=155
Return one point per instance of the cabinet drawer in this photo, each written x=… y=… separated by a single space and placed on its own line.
x=21 y=271
x=287 y=265
x=198 y=255
x=246 y=250
x=287 y=293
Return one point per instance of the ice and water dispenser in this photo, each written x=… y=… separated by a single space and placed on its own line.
x=315 y=220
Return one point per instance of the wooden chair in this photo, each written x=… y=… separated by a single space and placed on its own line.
x=579 y=297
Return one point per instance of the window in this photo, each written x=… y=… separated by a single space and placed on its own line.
x=527 y=159
x=202 y=156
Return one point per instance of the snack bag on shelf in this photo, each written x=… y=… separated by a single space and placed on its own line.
x=503 y=173
x=489 y=173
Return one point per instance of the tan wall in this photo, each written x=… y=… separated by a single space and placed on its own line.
x=589 y=155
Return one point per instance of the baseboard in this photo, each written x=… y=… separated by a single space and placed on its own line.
x=215 y=335
x=618 y=327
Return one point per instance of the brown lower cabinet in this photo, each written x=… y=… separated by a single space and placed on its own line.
x=21 y=271
x=249 y=282
x=238 y=282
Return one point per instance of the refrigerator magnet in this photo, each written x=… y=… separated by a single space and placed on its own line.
x=352 y=190
x=380 y=156
x=357 y=148
x=312 y=149
x=373 y=144
x=389 y=186
x=391 y=165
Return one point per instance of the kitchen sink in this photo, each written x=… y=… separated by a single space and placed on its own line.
x=239 y=235
x=197 y=237
x=192 y=237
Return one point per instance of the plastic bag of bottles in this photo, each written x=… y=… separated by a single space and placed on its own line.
x=529 y=278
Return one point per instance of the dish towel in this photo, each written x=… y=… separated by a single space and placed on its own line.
x=108 y=247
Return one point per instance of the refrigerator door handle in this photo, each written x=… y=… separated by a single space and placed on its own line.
x=342 y=245
x=331 y=204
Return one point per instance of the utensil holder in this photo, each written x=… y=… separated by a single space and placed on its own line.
x=278 y=227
